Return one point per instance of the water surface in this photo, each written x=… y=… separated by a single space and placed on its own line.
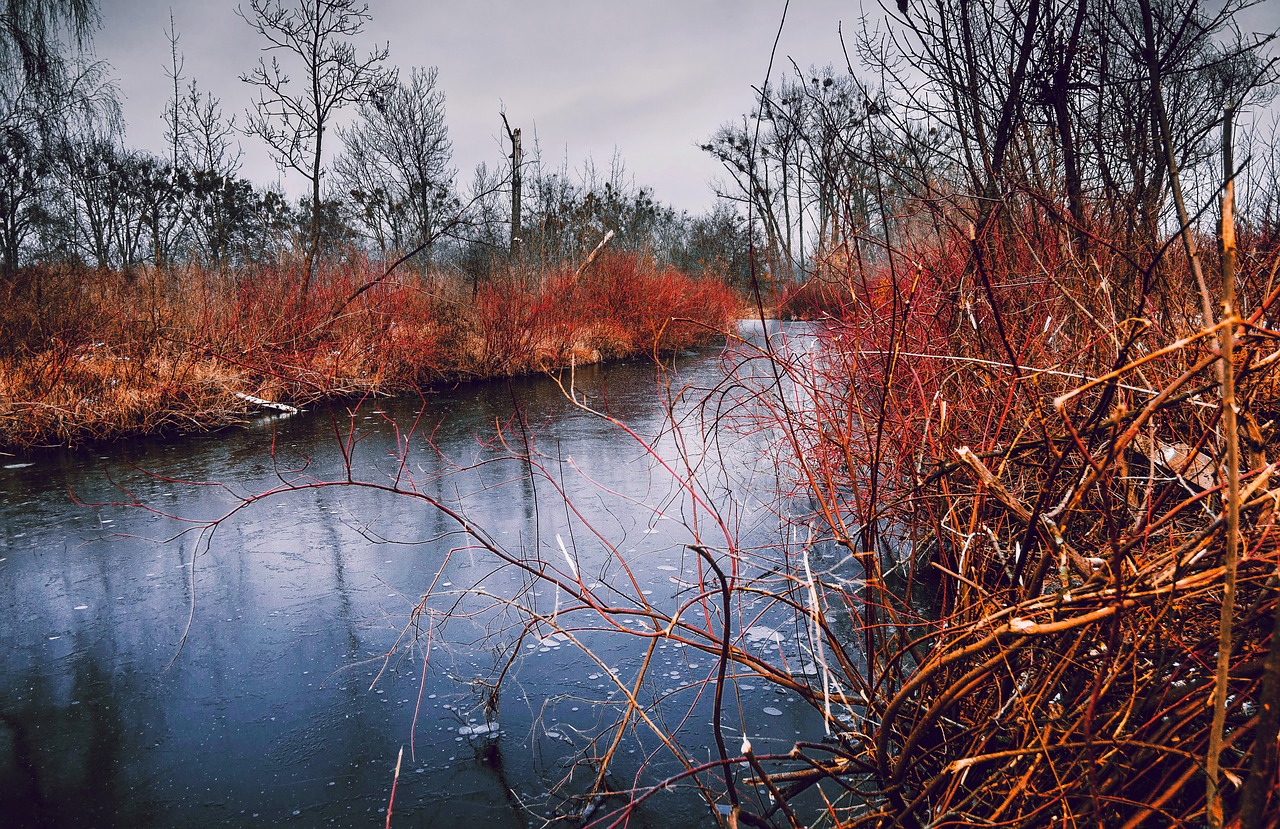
x=270 y=671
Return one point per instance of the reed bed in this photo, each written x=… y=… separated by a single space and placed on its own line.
x=95 y=355
x=1022 y=491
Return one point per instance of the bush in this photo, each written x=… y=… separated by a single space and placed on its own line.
x=97 y=354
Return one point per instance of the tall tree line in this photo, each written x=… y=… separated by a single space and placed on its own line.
x=371 y=143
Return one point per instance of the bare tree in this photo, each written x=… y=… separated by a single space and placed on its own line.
x=396 y=163
x=292 y=117
x=222 y=206
x=174 y=127
x=24 y=167
x=804 y=161
x=206 y=134
x=517 y=161
x=46 y=86
x=39 y=118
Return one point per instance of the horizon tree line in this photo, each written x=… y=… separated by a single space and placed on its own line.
x=73 y=192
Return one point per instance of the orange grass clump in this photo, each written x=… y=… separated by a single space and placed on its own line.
x=94 y=355
x=1024 y=455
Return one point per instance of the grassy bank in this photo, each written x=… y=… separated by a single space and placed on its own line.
x=93 y=355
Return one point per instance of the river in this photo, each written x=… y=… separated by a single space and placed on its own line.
x=158 y=672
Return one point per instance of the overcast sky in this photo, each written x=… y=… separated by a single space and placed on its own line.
x=651 y=78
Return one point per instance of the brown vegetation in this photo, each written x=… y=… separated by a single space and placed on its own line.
x=92 y=355
x=1033 y=487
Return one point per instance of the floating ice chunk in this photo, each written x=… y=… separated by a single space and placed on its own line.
x=479 y=730
x=668 y=568
x=772 y=712
x=267 y=404
x=762 y=634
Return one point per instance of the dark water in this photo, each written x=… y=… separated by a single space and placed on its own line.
x=269 y=672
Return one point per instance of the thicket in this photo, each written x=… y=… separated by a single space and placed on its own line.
x=1040 y=563
x=93 y=355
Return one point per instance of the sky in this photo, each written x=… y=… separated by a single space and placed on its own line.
x=649 y=80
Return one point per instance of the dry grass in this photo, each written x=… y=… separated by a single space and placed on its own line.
x=99 y=355
x=1023 y=454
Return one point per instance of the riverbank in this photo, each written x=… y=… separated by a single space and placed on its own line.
x=90 y=356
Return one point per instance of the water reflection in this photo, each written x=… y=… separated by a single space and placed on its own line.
x=229 y=678
x=260 y=673
x=65 y=750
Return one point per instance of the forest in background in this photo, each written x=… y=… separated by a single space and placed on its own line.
x=372 y=146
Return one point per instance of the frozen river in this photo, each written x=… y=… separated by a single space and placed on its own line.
x=271 y=671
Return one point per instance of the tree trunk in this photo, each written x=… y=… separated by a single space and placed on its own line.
x=313 y=246
x=517 y=157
